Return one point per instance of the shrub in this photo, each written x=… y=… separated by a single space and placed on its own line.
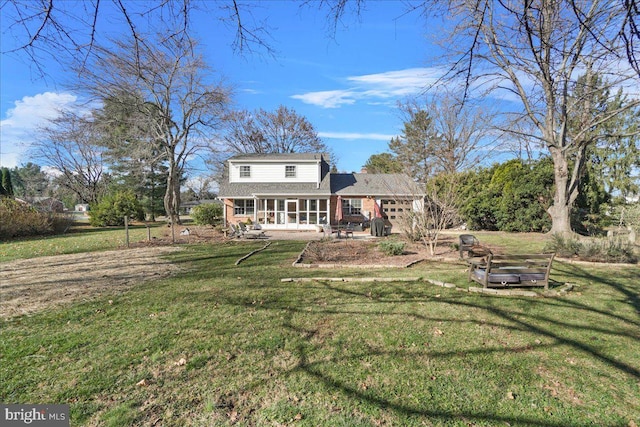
x=20 y=219
x=207 y=214
x=609 y=250
x=563 y=247
x=112 y=209
x=391 y=248
x=596 y=250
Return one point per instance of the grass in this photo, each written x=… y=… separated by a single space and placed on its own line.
x=257 y=351
x=78 y=240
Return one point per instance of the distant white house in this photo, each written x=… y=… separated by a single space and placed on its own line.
x=82 y=207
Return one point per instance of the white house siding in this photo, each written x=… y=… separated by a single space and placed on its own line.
x=274 y=172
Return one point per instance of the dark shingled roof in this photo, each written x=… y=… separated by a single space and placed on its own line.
x=343 y=184
x=374 y=184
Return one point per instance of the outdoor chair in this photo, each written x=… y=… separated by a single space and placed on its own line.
x=329 y=232
x=253 y=234
x=348 y=231
x=235 y=231
x=467 y=243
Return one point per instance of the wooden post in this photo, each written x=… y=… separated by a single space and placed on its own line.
x=173 y=233
x=126 y=229
x=148 y=232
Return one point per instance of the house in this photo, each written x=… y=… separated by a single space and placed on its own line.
x=296 y=191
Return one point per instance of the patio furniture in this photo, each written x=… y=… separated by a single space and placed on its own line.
x=348 y=230
x=234 y=231
x=467 y=243
x=500 y=271
x=330 y=231
x=250 y=233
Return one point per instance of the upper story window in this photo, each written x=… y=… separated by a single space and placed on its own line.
x=245 y=171
x=289 y=171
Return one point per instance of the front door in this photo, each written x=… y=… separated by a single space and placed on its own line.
x=292 y=213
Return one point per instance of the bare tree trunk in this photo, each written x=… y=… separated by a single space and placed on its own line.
x=172 y=195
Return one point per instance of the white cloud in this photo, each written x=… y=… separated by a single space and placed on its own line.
x=17 y=130
x=371 y=87
x=355 y=135
x=329 y=98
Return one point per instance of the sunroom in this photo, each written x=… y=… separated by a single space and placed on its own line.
x=291 y=213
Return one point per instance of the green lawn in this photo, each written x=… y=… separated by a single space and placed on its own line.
x=78 y=240
x=221 y=344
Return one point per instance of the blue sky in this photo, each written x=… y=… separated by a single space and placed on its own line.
x=347 y=85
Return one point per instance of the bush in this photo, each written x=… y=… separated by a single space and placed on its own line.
x=19 y=219
x=609 y=250
x=596 y=250
x=207 y=214
x=391 y=248
x=563 y=247
x=112 y=209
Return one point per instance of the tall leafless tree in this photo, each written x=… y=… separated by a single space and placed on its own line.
x=537 y=51
x=71 y=30
x=279 y=131
x=168 y=74
x=69 y=145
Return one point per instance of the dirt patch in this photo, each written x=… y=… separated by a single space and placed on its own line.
x=32 y=285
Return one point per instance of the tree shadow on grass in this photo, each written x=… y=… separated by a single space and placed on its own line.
x=300 y=306
x=343 y=299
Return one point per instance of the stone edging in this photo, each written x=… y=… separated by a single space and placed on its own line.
x=489 y=291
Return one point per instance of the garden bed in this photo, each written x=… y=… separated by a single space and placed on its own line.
x=336 y=253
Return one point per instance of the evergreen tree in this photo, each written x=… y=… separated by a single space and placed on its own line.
x=137 y=161
x=7 y=186
x=383 y=163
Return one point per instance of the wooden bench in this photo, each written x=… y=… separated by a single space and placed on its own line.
x=500 y=271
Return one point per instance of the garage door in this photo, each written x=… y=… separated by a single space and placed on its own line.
x=395 y=209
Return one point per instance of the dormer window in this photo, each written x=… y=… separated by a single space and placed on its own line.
x=245 y=171
x=289 y=171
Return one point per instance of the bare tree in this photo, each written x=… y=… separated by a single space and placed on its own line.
x=441 y=136
x=280 y=131
x=170 y=76
x=536 y=50
x=464 y=133
x=439 y=211
x=69 y=145
x=71 y=30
